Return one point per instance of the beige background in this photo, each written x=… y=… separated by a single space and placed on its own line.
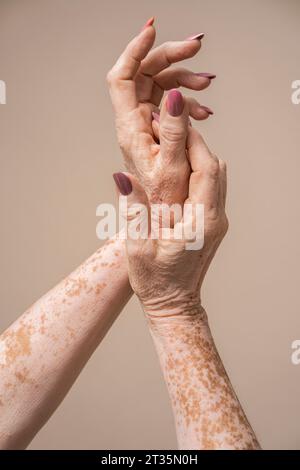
x=58 y=150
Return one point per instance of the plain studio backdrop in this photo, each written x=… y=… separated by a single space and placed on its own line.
x=58 y=150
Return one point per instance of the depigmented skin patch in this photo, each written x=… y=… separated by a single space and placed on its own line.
x=54 y=338
x=76 y=286
x=207 y=412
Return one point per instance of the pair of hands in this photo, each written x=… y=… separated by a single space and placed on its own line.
x=168 y=162
x=44 y=350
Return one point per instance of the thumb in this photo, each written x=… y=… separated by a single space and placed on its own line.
x=173 y=127
x=134 y=206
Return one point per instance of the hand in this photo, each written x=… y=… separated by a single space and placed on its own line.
x=137 y=83
x=167 y=278
x=165 y=275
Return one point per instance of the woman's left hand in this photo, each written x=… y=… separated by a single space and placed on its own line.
x=137 y=83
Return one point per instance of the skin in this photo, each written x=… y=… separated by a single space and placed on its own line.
x=44 y=350
x=166 y=277
x=137 y=83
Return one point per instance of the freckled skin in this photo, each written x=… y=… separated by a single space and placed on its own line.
x=42 y=353
x=167 y=278
x=207 y=412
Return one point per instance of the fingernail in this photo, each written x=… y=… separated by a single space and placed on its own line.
x=175 y=103
x=149 y=23
x=196 y=36
x=123 y=183
x=206 y=75
x=155 y=116
x=207 y=109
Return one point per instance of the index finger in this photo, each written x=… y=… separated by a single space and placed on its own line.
x=204 y=179
x=121 y=77
x=199 y=154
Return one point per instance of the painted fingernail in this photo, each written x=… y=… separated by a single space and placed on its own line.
x=195 y=36
x=149 y=23
x=155 y=116
x=175 y=103
x=123 y=183
x=207 y=109
x=206 y=75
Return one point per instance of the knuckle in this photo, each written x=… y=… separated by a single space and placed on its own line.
x=217 y=225
x=213 y=169
x=111 y=77
x=171 y=133
x=225 y=224
x=123 y=144
x=223 y=166
x=166 y=47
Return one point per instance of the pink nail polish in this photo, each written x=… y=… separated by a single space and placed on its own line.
x=195 y=37
x=155 y=116
x=206 y=75
x=123 y=183
x=149 y=23
x=175 y=103
x=207 y=109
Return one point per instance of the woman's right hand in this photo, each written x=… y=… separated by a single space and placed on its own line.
x=167 y=278
x=137 y=83
x=167 y=274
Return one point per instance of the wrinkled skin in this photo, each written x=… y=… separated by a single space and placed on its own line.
x=164 y=274
x=167 y=278
x=137 y=83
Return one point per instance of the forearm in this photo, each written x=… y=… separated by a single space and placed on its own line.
x=42 y=353
x=207 y=412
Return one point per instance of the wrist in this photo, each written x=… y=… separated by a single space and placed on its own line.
x=169 y=306
x=182 y=331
